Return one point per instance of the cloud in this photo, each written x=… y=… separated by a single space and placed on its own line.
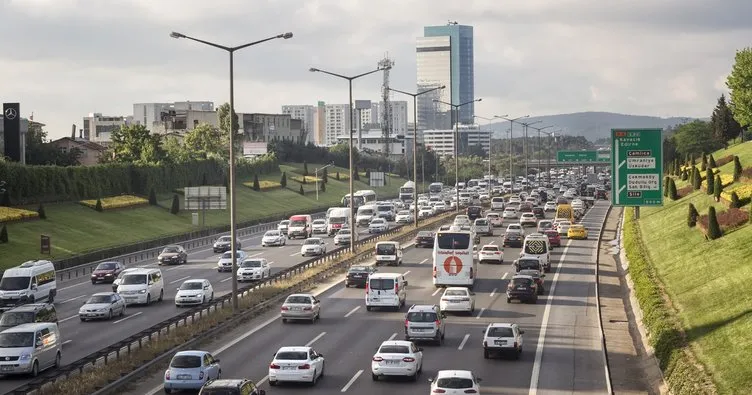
x=72 y=57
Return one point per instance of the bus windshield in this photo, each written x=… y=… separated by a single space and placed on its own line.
x=453 y=241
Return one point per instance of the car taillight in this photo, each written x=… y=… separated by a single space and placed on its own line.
x=434 y=272
x=439 y=391
x=367 y=287
x=471 y=391
x=437 y=322
x=167 y=374
x=304 y=366
x=273 y=366
x=408 y=359
x=497 y=253
x=285 y=308
x=471 y=272
x=396 y=287
x=377 y=359
x=307 y=308
x=201 y=375
x=464 y=299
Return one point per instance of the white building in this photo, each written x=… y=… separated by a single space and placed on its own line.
x=442 y=141
x=305 y=113
x=371 y=118
x=374 y=141
x=149 y=114
x=99 y=128
x=337 y=123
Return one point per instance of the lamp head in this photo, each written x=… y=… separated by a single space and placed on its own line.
x=313 y=69
x=480 y=99
x=442 y=87
x=286 y=35
x=177 y=35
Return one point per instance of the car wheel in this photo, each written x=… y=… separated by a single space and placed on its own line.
x=203 y=299
x=211 y=297
x=148 y=300
x=122 y=311
x=315 y=378
x=57 y=360
x=509 y=300
x=161 y=295
x=272 y=383
x=109 y=315
x=374 y=377
x=35 y=369
x=486 y=354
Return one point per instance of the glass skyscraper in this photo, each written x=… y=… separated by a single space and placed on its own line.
x=445 y=57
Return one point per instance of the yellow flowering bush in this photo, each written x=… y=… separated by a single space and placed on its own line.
x=743 y=192
x=308 y=179
x=726 y=180
x=116 y=202
x=264 y=185
x=8 y=214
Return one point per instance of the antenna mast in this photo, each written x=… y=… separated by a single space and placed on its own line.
x=386 y=112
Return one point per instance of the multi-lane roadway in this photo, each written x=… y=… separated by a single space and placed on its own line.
x=562 y=352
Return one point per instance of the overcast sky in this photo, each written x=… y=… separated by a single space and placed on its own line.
x=63 y=59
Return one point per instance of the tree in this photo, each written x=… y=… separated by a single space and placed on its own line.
x=4 y=234
x=696 y=178
x=692 y=215
x=735 y=203
x=741 y=90
x=152 y=197
x=256 y=185
x=323 y=186
x=737 y=168
x=39 y=151
x=176 y=151
x=337 y=176
x=223 y=113
x=356 y=174
x=41 y=212
x=302 y=192
x=711 y=161
x=704 y=162
x=175 y=208
x=725 y=127
x=368 y=175
x=5 y=202
x=666 y=182
x=717 y=188
x=694 y=138
x=714 y=230
x=325 y=176
x=672 y=193
x=709 y=180
x=283 y=181
x=206 y=141
x=98 y=206
x=305 y=169
x=134 y=144
x=476 y=150
x=226 y=183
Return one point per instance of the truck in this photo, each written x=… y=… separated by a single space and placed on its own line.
x=339 y=218
x=406 y=191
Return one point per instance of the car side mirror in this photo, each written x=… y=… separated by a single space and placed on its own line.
x=479 y=379
x=216 y=360
x=177 y=289
x=317 y=302
x=261 y=392
x=405 y=282
x=522 y=332
x=113 y=302
x=420 y=348
x=206 y=287
x=34 y=287
x=430 y=379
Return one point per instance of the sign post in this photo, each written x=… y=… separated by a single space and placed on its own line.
x=45 y=244
x=583 y=156
x=637 y=168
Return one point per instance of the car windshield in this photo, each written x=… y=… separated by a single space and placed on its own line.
x=285 y=223
x=253 y=263
x=272 y=233
x=531 y=273
x=228 y=255
x=97 y=299
x=381 y=284
x=491 y=216
x=186 y=361
x=481 y=222
x=528 y=264
x=192 y=285
x=384 y=208
x=298 y=299
x=15 y=318
x=425 y=234
x=513 y=227
x=224 y=239
x=496 y=331
x=319 y=222
x=490 y=248
x=421 y=317
x=454 y=383
x=403 y=212
x=455 y=292
x=337 y=220
x=133 y=279
x=292 y=356
x=106 y=266
x=312 y=241
x=367 y=211
x=520 y=282
x=170 y=250
x=16 y=339
x=453 y=241
x=394 y=349
x=358 y=269
x=385 y=249
x=377 y=221
x=298 y=222
x=14 y=283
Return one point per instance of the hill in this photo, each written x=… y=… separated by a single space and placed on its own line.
x=595 y=125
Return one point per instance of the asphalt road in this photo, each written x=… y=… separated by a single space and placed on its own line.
x=84 y=338
x=561 y=353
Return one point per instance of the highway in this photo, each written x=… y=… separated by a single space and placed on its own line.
x=84 y=338
x=562 y=352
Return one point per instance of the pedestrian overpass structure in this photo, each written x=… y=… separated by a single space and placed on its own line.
x=574 y=159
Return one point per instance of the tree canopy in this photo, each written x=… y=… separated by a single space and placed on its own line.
x=738 y=83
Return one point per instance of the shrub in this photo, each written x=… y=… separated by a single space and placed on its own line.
x=672 y=190
x=696 y=178
x=323 y=187
x=718 y=188
x=283 y=181
x=727 y=220
x=10 y=214
x=666 y=181
x=356 y=175
x=40 y=211
x=684 y=191
x=684 y=175
x=368 y=175
x=5 y=202
x=175 y=208
x=714 y=229
x=692 y=215
x=737 y=168
x=337 y=176
x=264 y=185
x=704 y=163
x=305 y=179
x=115 y=202
x=325 y=175
x=692 y=161
x=302 y=192
x=724 y=160
x=152 y=197
x=305 y=169
x=256 y=186
x=711 y=161
x=709 y=178
x=734 y=201
x=744 y=192
x=4 y=234
x=98 y=205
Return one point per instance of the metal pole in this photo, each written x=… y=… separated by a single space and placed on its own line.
x=415 y=158
x=489 y=150
x=316 y=175
x=526 y=152
x=511 y=165
x=637 y=212
x=353 y=228
x=538 y=148
x=457 y=156
x=231 y=183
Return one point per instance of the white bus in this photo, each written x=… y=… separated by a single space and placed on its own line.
x=435 y=188
x=406 y=191
x=454 y=263
x=362 y=197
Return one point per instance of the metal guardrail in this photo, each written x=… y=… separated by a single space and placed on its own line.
x=136 y=341
x=601 y=331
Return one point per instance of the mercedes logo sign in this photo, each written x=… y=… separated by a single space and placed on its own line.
x=11 y=113
x=7 y=358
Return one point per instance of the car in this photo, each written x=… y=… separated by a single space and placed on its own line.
x=313 y=246
x=119 y=279
x=27 y=314
x=190 y=370
x=539 y=213
x=490 y=253
x=397 y=358
x=577 y=232
x=173 y=254
x=474 y=212
x=528 y=219
x=512 y=239
x=296 y=364
x=553 y=237
x=253 y=269
x=425 y=322
x=537 y=276
x=509 y=213
x=403 y=217
x=102 y=305
x=319 y=226
x=502 y=338
x=357 y=276
x=461 y=220
x=224 y=264
x=515 y=228
x=378 y=225
x=549 y=207
x=425 y=213
x=222 y=244
x=440 y=207
x=525 y=207
x=483 y=227
x=231 y=387
x=342 y=238
x=301 y=307
x=424 y=238
x=563 y=227
x=455 y=382
x=273 y=238
x=457 y=299
x=495 y=219
x=522 y=288
x=106 y=272
x=544 y=225
x=196 y=291
x=283 y=226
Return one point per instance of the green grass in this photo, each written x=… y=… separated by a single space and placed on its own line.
x=708 y=282
x=75 y=229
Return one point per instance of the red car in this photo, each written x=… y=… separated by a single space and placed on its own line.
x=553 y=238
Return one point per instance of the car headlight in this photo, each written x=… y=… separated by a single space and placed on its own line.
x=24 y=357
x=143 y=291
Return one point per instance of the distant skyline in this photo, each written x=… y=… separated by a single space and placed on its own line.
x=65 y=59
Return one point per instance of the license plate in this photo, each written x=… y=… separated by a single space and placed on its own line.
x=7 y=368
x=455 y=301
x=393 y=362
x=500 y=342
x=521 y=288
x=288 y=368
x=375 y=299
x=420 y=330
x=184 y=377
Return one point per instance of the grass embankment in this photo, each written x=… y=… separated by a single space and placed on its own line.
x=75 y=229
x=709 y=284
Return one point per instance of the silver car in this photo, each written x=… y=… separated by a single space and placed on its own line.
x=301 y=307
x=102 y=305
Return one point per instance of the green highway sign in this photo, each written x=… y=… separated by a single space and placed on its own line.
x=583 y=156
x=637 y=167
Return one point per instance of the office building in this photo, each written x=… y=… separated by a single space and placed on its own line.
x=258 y=128
x=442 y=140
x=371 y=118
x=99 y=128
x=319 y=124
x=305 y=113
x=148 y=114
x=374 y=141
x=337 y=123
x=445 y=57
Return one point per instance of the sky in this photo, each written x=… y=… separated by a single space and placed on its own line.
x=64 y=59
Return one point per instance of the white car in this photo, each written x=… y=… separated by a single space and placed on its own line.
x=102 y=305
x=397 y=358
x=403 y=217
x=495 y=219
x=283 y=226
x=515 y=199
x=273 y=238
x=194 y=292
x=440 y=207
x=515 y=228
x=254 y=269
x=500 y=338
x=225 y=261
x=457 y=299
x=425 y=213
x=509 y=213
x=313 y=246
x=378 y=225
x=455 y=382
x=296 y=364
x=343 y=237
x=563 y=227
x=491 y=253
x=549 y=206
x=319 y=226
x=528 y=219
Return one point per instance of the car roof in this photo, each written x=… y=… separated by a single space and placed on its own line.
x=454 y=373
x=388 y=242
x=30 y=307
x=456 y=289
x=294 y=348
x=308 y=295
x=386 y=275
x=500 y=325
x=422 y=307
x=490 y=245
x=396 y=343
x=103 y=293
x=194 y=353
x=220 y=383
x=33 y=326
x=194 y=280
x=522 y=276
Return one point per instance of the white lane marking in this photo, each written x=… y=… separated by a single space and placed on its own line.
x=464 y=340
x=315 y=339
x=480 y=313
x=227 y=279
x=423 y=261
x=492 y=242
x=492 y=293
x=179 y=280
x=72 y=299
x=352 y=311
x=391 y=337
x=258 y=383
x=173 y=268
x=71 y=286
x=255 y=255
x=129 y=316
x=66 y=342
x=504 y=276
x=436 y=291
x=406 y=273
x=297 y=253
x=68 y=319
x=352 y=380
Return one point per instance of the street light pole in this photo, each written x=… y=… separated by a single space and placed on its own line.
x=232 y=132
x=350 y=142
x=526 y=146
x=511 y=134
x=415 y=143
x=539 y=137
x=456 y=116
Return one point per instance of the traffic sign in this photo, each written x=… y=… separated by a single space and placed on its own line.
x=453 y=265
x=637 y=167
x=583 y=156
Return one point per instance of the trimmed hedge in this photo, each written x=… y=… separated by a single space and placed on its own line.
x=666 y=335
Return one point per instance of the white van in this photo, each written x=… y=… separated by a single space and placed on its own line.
x=30 y=282
x=39 y=345
x=388 y=253
x=365 y=214
x=142 y=286
x=386 y=290
x=339 y=217
x=497 y=203
x=537 y=245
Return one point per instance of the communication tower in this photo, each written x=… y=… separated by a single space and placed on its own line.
x=386 y=113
